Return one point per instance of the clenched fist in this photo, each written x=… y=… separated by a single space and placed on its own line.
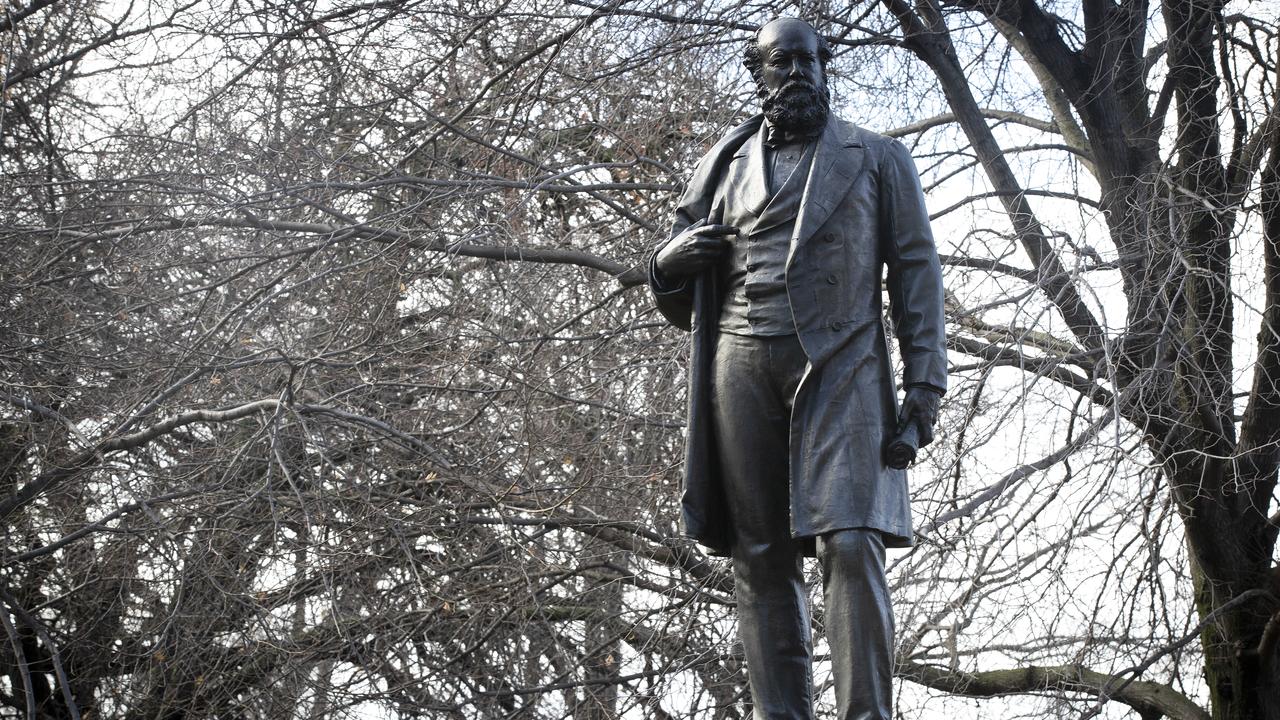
x=920 y=406
x=697 y=247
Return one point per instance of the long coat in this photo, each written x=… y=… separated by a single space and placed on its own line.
x=862 y=211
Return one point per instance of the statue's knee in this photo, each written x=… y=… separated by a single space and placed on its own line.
x=766 y=561
x=855 y=546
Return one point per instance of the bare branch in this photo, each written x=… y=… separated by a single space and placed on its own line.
x=1143 y=696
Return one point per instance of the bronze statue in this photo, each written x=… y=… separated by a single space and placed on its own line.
x=774 y=263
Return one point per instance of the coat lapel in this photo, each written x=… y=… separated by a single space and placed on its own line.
x=748 y=181
x=836 y=164
x=700 y=191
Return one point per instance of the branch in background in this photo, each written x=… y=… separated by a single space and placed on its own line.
x=1054 y=96
x=101 y=524
x=627 y=276
x=624 y=535
x=998 y=488
x=990 y=113
x=47 y=412
x=52 y=478
x=55 y=655
x=113 y=36
x=1053 y=368
x=1020 y=195
x=1064 y=351
x=927 y=36
x=1143 y=696
x=995 y=266
x=1260 y=428
x=1028 y=276
x=10 y=20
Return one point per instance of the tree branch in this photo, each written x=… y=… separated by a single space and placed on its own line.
x=1019 y=196
x=1259 y=441
x=1055 y=97
x=671 y=552
x=627 y=276
x=989 y=113
x=930 y=40
x=52 y=478
x=1020 y=473
x=995 y=266
x=10 y=20
x=1053 y=368
x=1141 y=695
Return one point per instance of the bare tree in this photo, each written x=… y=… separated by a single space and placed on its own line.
x=332 y=387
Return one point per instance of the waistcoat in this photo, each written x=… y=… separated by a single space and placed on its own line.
x=764 y=206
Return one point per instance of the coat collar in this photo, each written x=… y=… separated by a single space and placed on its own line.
x=750 y=186
x=701 y=189
x=773 y=136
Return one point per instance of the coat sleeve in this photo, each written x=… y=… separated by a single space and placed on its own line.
x=674 y=298
x=914 y=273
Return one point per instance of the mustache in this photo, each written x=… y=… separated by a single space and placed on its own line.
x=796 y=86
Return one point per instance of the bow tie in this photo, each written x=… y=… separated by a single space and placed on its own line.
x=775 y=136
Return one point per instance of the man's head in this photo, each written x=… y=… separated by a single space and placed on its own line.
x=788 y=60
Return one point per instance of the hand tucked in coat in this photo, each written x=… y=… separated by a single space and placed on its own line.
x=697 y=247
x=920 y=405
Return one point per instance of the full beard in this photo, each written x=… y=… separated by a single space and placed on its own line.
x=798 y=107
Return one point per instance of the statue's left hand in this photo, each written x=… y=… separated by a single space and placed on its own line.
x=920 y=405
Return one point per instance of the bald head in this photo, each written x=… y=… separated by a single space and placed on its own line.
x=785 y=27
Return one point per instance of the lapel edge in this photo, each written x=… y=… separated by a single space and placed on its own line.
x=841 y=157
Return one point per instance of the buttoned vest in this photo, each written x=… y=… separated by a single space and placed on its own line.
x=755 y=291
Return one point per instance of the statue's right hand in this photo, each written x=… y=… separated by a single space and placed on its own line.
x=694 y=249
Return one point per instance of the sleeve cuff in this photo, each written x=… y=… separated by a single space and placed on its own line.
x=661 y=285
x=928 y=370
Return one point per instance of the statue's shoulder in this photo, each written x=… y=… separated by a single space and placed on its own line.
x=883 y=151
x=855 y=135
x=706 y=174
x=732 y=140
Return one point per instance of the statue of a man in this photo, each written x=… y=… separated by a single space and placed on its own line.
x=775 y=262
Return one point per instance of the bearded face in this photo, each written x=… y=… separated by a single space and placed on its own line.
x=788 y=61
x=798 y=106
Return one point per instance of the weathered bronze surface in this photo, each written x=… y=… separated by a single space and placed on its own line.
x=774 y=262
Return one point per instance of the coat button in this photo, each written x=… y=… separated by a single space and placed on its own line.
x=834 y=324
x=832 y=279
x=829 y=237
x=752 y=267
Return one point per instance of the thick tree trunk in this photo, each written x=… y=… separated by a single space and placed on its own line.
x=1233 y=578
x=1229 y=537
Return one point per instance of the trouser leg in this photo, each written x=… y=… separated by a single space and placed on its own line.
x=753 y=381
x=859 y=621
x=773 y=624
